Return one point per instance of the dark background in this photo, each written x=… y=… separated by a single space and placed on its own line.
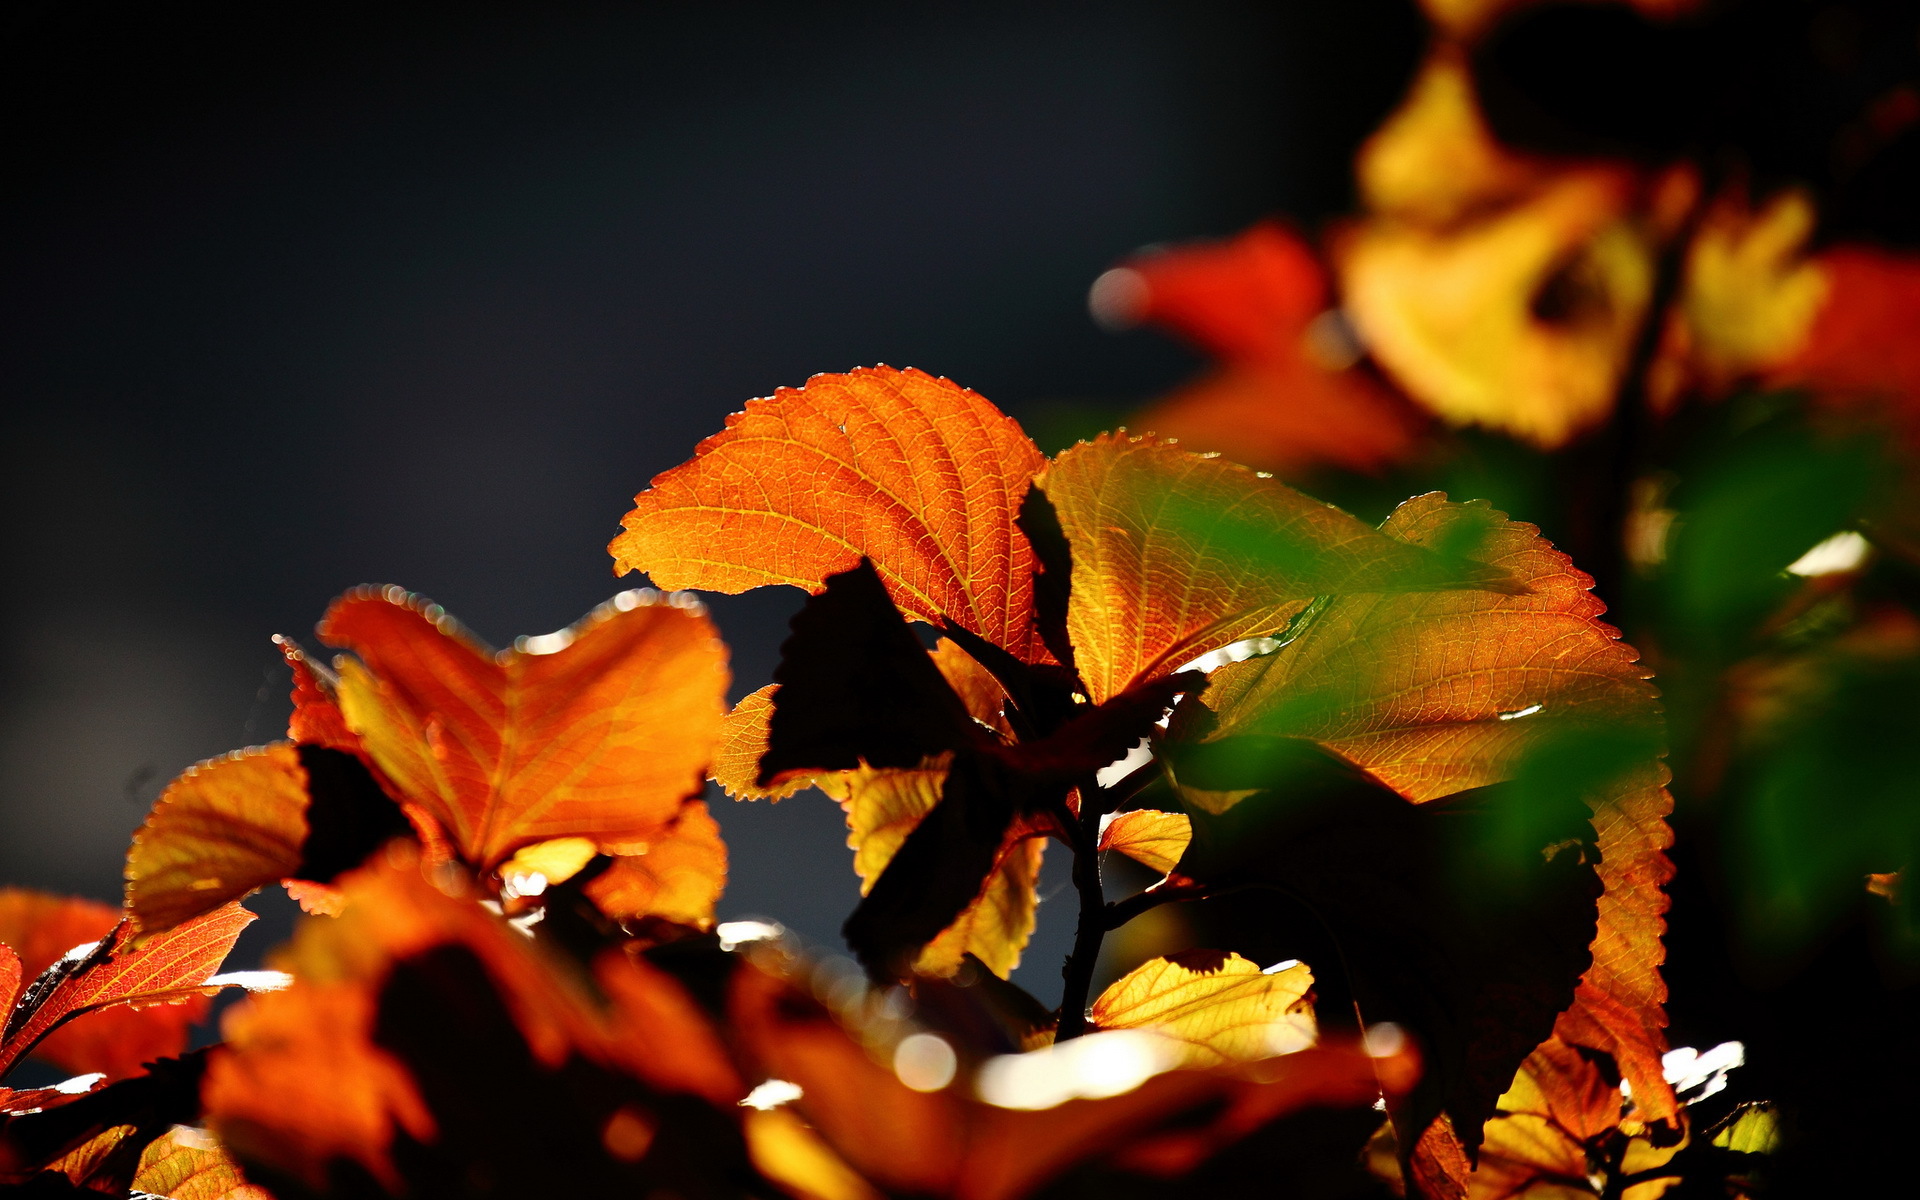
x=300 y=297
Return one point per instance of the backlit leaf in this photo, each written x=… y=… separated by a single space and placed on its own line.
x=1155 y=839
x=920 y=475
x=736 y=767
x=1437 y=693
x=1176 y=555
x=83 y=980
x=37 y=929
x=222 y=829
x=188 y=1164
x=1220 y=1007
x=606 y=735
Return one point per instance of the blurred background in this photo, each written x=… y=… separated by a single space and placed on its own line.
x=300 y=297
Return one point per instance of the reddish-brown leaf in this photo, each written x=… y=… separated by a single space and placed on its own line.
x=1438 y=693
x=102 y=976
x=603 y=731
x=920 y=475
x=305 y=1080
x=1178 y=554
x=884 y=806
x=945 y=1143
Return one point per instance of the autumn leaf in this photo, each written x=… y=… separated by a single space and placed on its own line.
x=920 y=475
x=415 y=1014
x=1177 y=554
x=943 y=1142
x=1218 y=1006
x=603 y=732
x=1154 y=839
x=1438 y=693
x=95 y=1001
x=1288 y=394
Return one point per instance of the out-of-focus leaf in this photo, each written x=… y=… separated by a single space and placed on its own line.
x=1749 y=295
x=602 y=731
x=1438 y=693
x=789 y=1152
x=1434 y=162
x=1220 y=1007
x=1176 y=555
x=1521 y=321
x=1826 y=797
x=1288 y=394
x=1860 y=349
x=920 y=475
x=1765 y=499
x=1154 y=839
x=98 y=1002
x=416 y=1014
x=943 y=1143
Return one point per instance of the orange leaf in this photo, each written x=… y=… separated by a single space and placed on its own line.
x=1154 y=839
x=1176 y=555
x=602 y=731
x=316 y=718
x=1289 y=417
x=1217 y=1007
x=312 y=1075
x=42 y=928
x=919 y=474
x=1438 y=693
x=99 y=969
x=223 y=828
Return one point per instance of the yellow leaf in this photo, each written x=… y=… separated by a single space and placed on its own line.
x=1222 y=1007
x=1155 y=839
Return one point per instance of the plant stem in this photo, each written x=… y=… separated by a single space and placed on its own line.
x=1092 y=927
